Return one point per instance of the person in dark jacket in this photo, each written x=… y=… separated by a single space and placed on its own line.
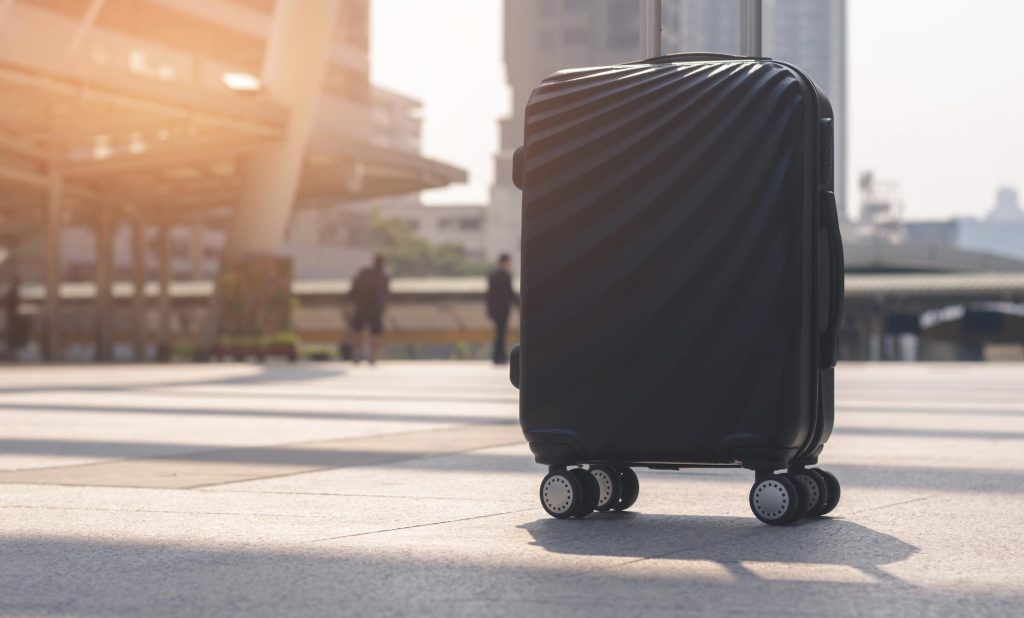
x=369 y=295
x=500 y=298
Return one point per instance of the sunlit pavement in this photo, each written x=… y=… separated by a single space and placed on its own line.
x=406 y=489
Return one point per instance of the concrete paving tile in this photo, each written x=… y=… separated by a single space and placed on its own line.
x=929 y=457
x=215 y=466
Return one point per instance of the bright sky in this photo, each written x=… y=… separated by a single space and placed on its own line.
x=936 y=96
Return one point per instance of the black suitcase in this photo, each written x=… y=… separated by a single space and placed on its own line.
x=682 y=280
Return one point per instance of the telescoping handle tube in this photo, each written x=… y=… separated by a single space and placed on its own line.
x=650 y=28
x=750 y=28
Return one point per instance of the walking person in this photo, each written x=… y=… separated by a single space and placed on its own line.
x=500 y=298
x=369 y=294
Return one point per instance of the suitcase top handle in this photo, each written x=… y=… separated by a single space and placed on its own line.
x=692 y=57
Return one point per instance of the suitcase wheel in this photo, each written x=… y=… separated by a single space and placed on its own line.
x=609 y=487
x=775 y=500
x=590 y=495
x=630 y=488
x=578 y=492
x=833 y=490
x=618 y=486
x=563 y=494
x=816 y=491
x=780 y=499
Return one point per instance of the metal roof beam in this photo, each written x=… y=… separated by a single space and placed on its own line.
x=87 y=94
x=191 y=153
x=13 y=144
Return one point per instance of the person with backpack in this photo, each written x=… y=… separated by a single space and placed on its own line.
x=369 y=295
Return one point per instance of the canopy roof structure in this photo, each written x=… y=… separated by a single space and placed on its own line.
x=115 y=108
x=127 y=134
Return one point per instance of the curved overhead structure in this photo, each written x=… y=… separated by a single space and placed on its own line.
x=360 y=170
x=122 y=108
x=126 y=116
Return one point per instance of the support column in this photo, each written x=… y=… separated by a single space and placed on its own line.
x=139 y=286
x=104 y=277
x=294 y=65
x=164 y=300
x=51 y=339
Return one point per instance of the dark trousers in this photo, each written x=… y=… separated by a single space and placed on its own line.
x=500 y=333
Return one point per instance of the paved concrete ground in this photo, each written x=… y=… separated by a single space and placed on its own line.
x=406 y=490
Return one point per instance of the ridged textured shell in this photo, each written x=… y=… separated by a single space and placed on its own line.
x=666 y=257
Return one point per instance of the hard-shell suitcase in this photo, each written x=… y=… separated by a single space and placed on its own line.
x=682 y=280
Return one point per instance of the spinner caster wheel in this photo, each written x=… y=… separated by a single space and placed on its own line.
x=816 y=491
x=802 y=493
x=591 y=492
x=834 y=491
x=630 y=488
x=561 y=494
x=775 y=500
x=609 y=484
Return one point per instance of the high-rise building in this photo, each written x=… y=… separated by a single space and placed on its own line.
x=542 y=36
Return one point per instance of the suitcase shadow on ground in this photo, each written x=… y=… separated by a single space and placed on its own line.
x=733 y=542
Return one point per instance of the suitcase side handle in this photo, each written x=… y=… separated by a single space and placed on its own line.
x=836 y=279
x=514 y=367
x=518 y=167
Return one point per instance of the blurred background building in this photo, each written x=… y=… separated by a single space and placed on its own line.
x=142 y=141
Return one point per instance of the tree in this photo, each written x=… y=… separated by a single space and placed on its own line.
x=411 y=255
